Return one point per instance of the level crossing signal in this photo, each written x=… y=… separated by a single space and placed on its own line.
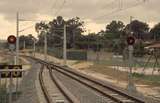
x=11 y=39
x=130 y=40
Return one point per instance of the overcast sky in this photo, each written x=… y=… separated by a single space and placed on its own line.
x=96 y=13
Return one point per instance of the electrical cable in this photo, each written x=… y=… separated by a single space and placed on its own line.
x=108 y=4
x=61 y=7
x=54 y=4
x=29 y=27
x=119 y=10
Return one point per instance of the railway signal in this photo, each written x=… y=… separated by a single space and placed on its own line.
x=131 y=41
x=11 y=39
x=7 y=74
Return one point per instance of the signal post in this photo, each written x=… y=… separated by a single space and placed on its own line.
x=11 y=71
x=131 y=87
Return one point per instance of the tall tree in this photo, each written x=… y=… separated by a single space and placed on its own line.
x=75 y=29
x=28 y=40
x=55 y=32
x=155 y=31
x=138 y=28
x=114 y=29
x=42 y=29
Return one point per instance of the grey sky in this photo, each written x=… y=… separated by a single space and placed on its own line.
x=96 y=11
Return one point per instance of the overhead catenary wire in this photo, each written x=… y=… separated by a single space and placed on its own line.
x=29 y=27
x=61 y=7
x=54 y=4
x=119 y=10
x=108 y=4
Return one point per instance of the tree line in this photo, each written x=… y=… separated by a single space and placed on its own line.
x=113 y=37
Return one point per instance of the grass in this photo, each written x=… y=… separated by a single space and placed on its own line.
x=122 y=63
x=151 y=79
x=123 y=76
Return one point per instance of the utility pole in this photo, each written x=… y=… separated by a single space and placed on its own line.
x=17 y=42
x=34 y=46
x=64 y=46
x=88 y=39
x=24 y=45
x=45 y=46
x=17 y=52
x=130 y=27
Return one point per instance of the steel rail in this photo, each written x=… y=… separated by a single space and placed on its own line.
x=63 y=89
x=44 y=89
x=72 y=73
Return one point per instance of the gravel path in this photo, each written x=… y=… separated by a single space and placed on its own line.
x=28 y=87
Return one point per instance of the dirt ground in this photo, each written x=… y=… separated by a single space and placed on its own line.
x=118 y=78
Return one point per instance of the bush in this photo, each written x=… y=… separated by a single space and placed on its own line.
x=71 y=54
x=57 y=52
x=77 y=54
x=139 y=50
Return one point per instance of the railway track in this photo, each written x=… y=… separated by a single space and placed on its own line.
x=54 y=92
x=114 y=94
x=44 y=89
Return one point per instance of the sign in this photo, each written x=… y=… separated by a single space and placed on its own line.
x=12 y=47
x=14 y=74
x=130 y=40
x=11 y=39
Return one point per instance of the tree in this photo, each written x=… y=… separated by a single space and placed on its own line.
x=28 y=40
x=42 y=29
x=112 y=36
x=114 y=29
x=56 y=28
x=155 y=31
x=75 y=29
x=138 y=28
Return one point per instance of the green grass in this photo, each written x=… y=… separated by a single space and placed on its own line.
x=123 y=64
x=153 y=79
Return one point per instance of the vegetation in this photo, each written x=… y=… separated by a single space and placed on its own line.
x=113 y=37
x=26 y=41
x=152 y=79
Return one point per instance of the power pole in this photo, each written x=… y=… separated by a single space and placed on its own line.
x=17 y=42
x=64 y=46
x=34 y=47
x=130 y=27
x=24 y=45
x=17 y=51
x=45 y=46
